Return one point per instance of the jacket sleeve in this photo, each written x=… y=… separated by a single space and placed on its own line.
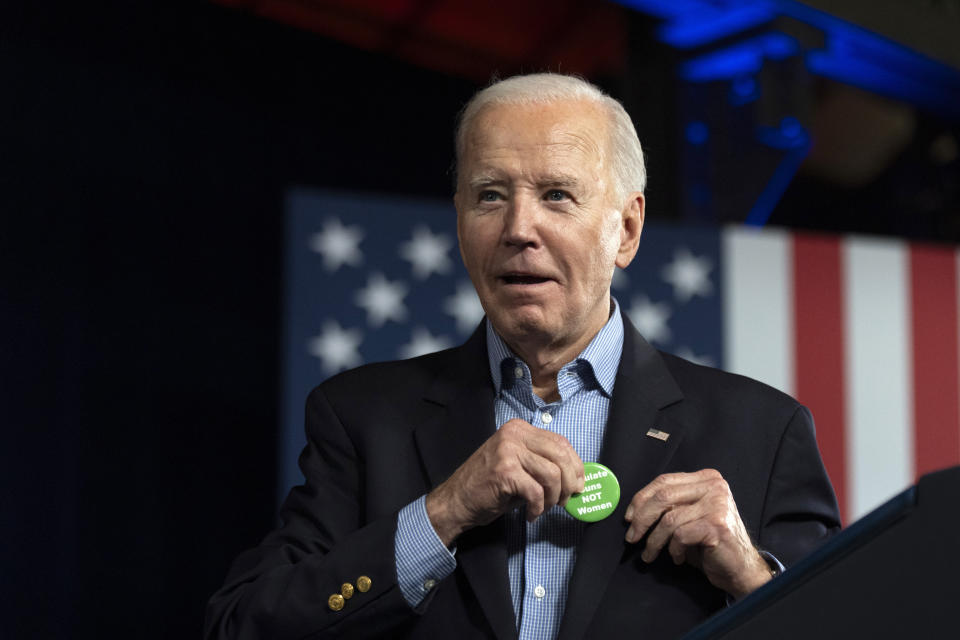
x=800 y=509
x=281 y=588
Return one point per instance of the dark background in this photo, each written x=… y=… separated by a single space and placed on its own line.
x=145 y=154
x=145 y=150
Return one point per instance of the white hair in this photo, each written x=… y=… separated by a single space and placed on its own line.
x=626 y=155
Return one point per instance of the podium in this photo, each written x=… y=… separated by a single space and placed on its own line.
x=895 y=573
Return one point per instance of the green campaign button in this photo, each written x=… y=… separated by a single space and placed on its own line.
x=600 y=495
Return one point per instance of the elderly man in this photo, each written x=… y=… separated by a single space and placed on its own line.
x=434 y=487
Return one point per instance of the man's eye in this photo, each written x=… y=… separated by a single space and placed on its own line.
x=489 y=196
x=556 y=195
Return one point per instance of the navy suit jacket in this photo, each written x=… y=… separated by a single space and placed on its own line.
x=382 y=435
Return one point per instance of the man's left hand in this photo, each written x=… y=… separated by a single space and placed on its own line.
x=695 y=517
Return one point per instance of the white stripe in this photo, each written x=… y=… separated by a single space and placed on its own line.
x=878 y=372
x=758 y=309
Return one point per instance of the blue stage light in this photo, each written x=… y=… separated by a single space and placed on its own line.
x=778 y=183
x=743 y=89
x=741 y=59
x=697 y=133
x=699 y=28
x=791 y=128
x=853 y=55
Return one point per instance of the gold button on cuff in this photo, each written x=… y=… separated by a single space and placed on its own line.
x=335 y=602
x=346 y=590
x=363 y=584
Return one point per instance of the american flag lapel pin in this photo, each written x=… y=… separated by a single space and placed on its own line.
x=659 y=435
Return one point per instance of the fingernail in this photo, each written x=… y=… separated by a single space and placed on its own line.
x=629 y=513
x=630 y=535
x=645 y=556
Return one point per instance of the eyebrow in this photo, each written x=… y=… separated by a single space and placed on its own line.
x=559 y=180
x=544 y=181
x=486 y=180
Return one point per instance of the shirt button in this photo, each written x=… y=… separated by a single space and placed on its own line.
x=518 y=372
x=539 y=591
x=546 y=417
x=429 y=583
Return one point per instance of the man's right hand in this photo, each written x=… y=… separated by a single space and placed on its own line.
x=519 y=463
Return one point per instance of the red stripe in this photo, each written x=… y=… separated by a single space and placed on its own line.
x=819 y=349
x=933 y=280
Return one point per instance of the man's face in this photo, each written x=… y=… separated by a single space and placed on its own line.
x=539 y=227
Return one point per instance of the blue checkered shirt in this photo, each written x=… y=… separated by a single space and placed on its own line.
x=541 y=554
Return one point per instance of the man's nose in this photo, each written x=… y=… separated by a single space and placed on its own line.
x=521 y=222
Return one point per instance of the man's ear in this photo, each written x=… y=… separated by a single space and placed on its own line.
x=631 y=226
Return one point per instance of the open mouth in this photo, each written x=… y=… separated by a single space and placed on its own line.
x=523 y=279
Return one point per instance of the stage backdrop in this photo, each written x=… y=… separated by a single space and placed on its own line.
x=862 y=330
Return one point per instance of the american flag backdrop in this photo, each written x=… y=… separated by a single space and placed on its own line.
x=862 y=330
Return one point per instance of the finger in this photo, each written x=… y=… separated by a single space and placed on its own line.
x=545 y=473
x=664 y=530
x=685 y=542
x=652 y=502
x=664 y=482
x=676 y=479
x=531 y=492
x=677 y=550
x=688 y=539
x=558 y=450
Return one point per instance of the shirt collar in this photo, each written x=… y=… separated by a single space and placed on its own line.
x=602 y=354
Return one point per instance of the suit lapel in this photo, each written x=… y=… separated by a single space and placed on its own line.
x=463 y=419
x=643 y=387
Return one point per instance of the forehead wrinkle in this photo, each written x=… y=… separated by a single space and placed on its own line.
x=567 y=147
x=560 y=141
x=582 y=142
x=586 y=158
x=581 y=148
